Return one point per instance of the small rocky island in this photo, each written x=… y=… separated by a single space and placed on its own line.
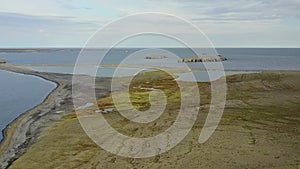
x=218 y=58
x=156 y=57
x=2 y=61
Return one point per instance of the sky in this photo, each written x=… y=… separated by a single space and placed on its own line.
x=227 y=23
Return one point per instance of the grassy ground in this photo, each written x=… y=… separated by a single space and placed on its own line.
x=259 y=128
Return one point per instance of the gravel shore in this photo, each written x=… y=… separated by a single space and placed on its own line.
x=24 y=130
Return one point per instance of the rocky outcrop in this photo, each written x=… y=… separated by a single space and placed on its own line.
x=2 y=61
x=156 y=57
x=218 y=58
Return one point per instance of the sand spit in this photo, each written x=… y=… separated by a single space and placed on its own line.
x=24 y=130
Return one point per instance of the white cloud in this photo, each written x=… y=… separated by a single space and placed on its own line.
x=225 y=21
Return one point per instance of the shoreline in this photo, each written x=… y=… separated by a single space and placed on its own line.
x=15 y=140
x=261 y=110
x=17 y=145
x=5 y=131
x=143 y=66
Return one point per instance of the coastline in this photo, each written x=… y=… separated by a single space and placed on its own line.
x=261 y=111
x=7 y=130
x=25 y=130
x=16 y=138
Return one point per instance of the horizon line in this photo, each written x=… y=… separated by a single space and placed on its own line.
x=77 y=47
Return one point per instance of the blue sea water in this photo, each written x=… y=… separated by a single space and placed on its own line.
x=238 y=58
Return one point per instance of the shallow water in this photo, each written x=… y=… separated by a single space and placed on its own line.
x=202 y=76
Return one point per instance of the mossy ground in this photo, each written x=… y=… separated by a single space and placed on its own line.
x=259 y=128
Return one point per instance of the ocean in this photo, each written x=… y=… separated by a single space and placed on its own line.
x=238 y=58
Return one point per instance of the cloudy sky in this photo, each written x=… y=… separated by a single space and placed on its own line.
x=227 y=23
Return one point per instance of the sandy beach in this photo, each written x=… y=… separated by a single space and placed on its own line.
x=259 y=129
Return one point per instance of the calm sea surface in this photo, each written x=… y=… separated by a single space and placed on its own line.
x=238 y=58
